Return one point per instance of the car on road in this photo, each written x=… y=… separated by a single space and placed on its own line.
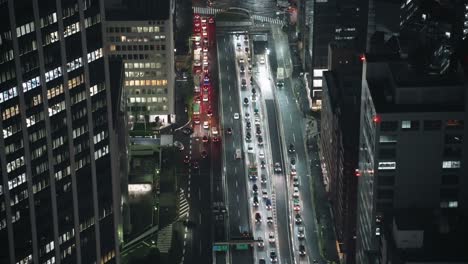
x=248 y=137
x=247 y=116
x=205 y=41
x=204 y=154
x=261 y=155
x=215 y=138
x=242 y=69
x=195 y=165
x=246 y=101
x=238 y=45
x=262 y=261
x=262 y=60
x=296 y=181
x=296 y=192
x=263 y=178
x=293 y=161
x=206 y=125
x=179 y=145
x=273 y=257
x=268 y=203
x=278 y=167
x=262 y=164
x=248 y=124
x=260 y=140
x=257 y=121
x=238 y=154
x=229 y=131
x=270 y=220
x=211 y=20
x=280 y=84
x=186 y=159
x=236 y=116
x=255 y=201
x=241 y=60
x=291 y=148
x=205 y=139
x=250 y=149
x=246 y=49
x=298 y=218
x=214 y=131
x=296 y=205
x=302 y=251
x=243 y=82
x=255 y=188
x=271 y=238
x=300 y=232
x=258 y=131
x=258 y=218
x=205 y=49
x=260 y=243
x=209 y=113
x=264 y=194
x=293 y=171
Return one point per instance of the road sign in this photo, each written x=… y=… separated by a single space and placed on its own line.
x=242 y=246
x=220 y=248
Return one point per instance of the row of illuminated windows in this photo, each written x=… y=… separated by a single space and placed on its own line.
x=146 y=82
x=62 y=173
x=81 y=146
x=25 y=29
x=82 y=162
x=49 y=19
x=8 y=94
x=96 y=88
x=15 y=164
x=7 y=74
x=40 y=185
x=147 y=108
x=148 y=99
x=118 y=39
x=98 y=104
x=142 y=65
x=139 y=74
x=101 y=152
x=108 y=257
x=56 y=108
x=6 y=56
x=446 y=164
x=26 y=260
x=78 y=97
x=38 y=152
x=10 y=112
x=34 y=119
x=18 y=197
x=10 y=148
x=54 y=91
x=17 y=181
x=11 y=130
x=100 y=136
x=57 y=142
x=71 y=29
x=80 y=131
x=428 y=125
x=67 y=236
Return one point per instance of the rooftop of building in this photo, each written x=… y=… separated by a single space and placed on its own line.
x=441 y=247
x=398 y=86
x=137 y=10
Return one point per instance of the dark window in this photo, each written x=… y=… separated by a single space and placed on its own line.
x=432 y=125
x=163 y=47
x=387 y=153
x=386 y=180
x=384 y=194
x=452 y=152
x=448 y=194
x=146 y=47
x=453 y=139
x=449 y=179
x=111 y=30
x=124 y=47
x=388 y=126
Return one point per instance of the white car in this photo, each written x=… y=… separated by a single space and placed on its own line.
x=206 y=125
x=262 y=60
x=236 y=116
x=296 y=192
x=214 y=131
x=250 y=149
x=241 y=60
x=271 y=237
x=261 y=155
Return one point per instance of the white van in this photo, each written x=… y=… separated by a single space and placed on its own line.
x=238 y=154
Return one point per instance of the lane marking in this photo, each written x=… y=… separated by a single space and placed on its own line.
x=238 y=213
x=200 y=247
x=199 y=218
x=199 y=195
x=237 y=198
x=236 y=184
x=235 y=170
x=294 y=138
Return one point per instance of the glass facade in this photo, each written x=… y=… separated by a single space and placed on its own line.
x=56 y=193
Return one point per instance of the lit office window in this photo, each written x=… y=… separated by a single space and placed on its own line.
x=387 y=165
x=451 y=164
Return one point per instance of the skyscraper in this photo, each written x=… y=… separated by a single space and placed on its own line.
x=58 y=194
x=141 y=33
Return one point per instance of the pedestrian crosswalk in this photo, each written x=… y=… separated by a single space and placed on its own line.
x=165 y=239
x=214 y=11
x=182 y=205
x=206 y=10
x=268 y=20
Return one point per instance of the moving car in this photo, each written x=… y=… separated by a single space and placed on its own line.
x=263 y=178
x=255 y=201
x=186 y=159
x=246 y=101
x=205 y=139
x=291 y=148
x=298 y=218
x=236 y=116
x=296 y=192
x=258 y=218
x=262 y=164
x=260 y=243
x=204 y=154
x=206 y=125
x=238 y=154
x=250 y=149
x=273 y=257
x=270 y=220
x=179 y=145
x=261 y=155
x=302 y=251
x=268 y=203
x=187 y=131
x=300 y=232
x=277 y=167
x=229 y=131
x=271 y=238
x=255 y=189
x=195 y=165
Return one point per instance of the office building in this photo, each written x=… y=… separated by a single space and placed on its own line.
x=339 y=141
x=140 y=32
x=59 y=199
x=423 y=236
x=412 y=151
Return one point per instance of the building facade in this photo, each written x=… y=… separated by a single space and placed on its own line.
x=339 y=141
x=59 y=198
x=141 y=34
x=412 y=152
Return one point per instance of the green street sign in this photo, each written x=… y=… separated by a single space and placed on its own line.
x=242 y=246
x=220 y=248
